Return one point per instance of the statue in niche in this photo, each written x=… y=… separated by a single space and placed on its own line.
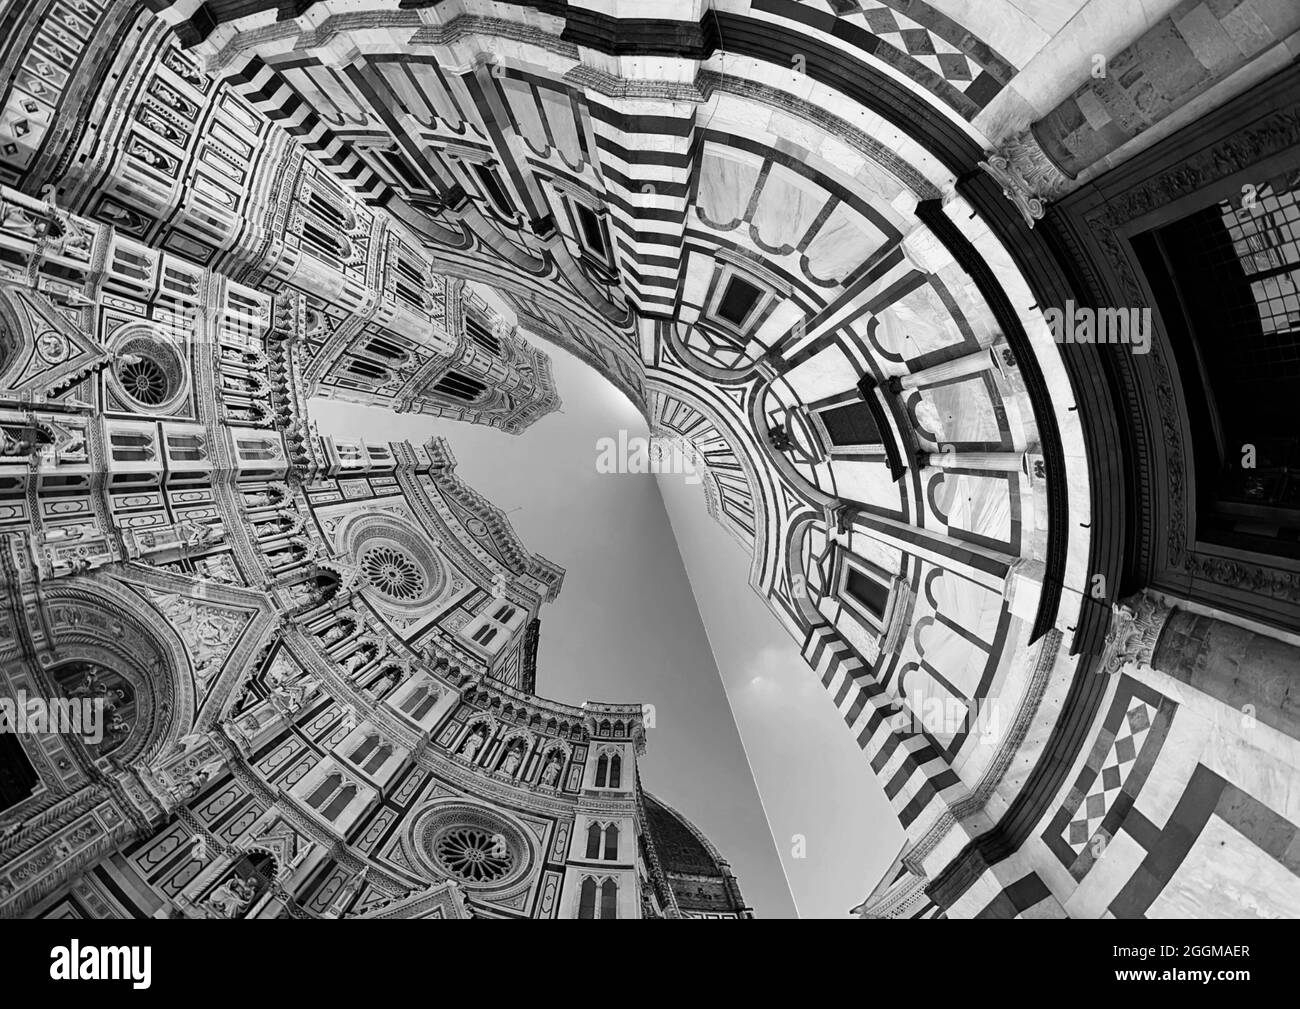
x=271 y=527
x=220 y=568
x=385 y=684
x=337 y=632
x=261 y=499
x=290 y=697
x=473 y=743
x=358 y=659
x=199 y=534
x=513 y=759
x=190 y=787
x=231 y=897
x=14 y=220
x=551 y=772
x=21 y=441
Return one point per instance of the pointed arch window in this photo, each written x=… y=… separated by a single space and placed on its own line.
x=186 y=447
x=417 y=696
x=340 y=802
x=378 y=759
x=615 y=771
x=602 y=770
x=383 y=347
x=459 y=386
x=587 y=899
x=365 y=749
x=611 y=843
x=324 y=790
x=593 y=841
x=128 y=446
x=425 y=706
x=609 y=899
x=368 y=369
x=482 y=335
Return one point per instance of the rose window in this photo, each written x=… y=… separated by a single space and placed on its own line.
x=143 y=381
x=148 y=371
x=393 y=572
x=474 y=855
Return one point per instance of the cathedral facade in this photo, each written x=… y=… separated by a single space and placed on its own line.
x=980 y=321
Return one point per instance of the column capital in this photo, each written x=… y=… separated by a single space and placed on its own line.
x=1028 y=177
x=1135 y=628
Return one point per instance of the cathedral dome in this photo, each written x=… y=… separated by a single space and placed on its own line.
x=699 y=878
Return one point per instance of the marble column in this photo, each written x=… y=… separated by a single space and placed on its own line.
x=1246 y=670
x=1241 y=668
x=999 y=462
x=985 y=359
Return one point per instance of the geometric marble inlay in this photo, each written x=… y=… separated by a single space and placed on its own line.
x=1122 y=755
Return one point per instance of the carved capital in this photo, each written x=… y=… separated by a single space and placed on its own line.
x=1027 y=176
x=1134 y=631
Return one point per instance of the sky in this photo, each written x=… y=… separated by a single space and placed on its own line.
x=656 y=609
x=835 y=831
x=625 y=627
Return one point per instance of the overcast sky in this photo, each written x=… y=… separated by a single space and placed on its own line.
x=625 y=627
x=835 y=831
x=634 y=623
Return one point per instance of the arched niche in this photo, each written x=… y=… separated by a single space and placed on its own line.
x=99 y=640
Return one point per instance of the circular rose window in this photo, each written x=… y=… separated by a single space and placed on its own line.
x=148 y=371
x=471 y=843
x=399 y=567
x=474 y=855
x=394 y=572
x=143 y=381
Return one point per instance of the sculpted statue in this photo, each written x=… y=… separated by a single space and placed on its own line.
x=337 y=633
x=19 y=442
x=551 y=772
x=472 y=745
x=16 y=221
x=358 y=659
x=512 y=761
x=231 y=897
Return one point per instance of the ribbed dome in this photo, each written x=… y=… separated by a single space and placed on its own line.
x=700 y=878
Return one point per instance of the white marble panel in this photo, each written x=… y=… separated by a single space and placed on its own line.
x=976 y=504
x=559 y=116
x=524 y=108
x=924 y=321
x=868 y=482
x=726 y=183
x=963 y=410
x=1226 y=875
x=842 y=244
x=956 y=659
x=968 y=605
x=822 y=375
x=788 y=206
